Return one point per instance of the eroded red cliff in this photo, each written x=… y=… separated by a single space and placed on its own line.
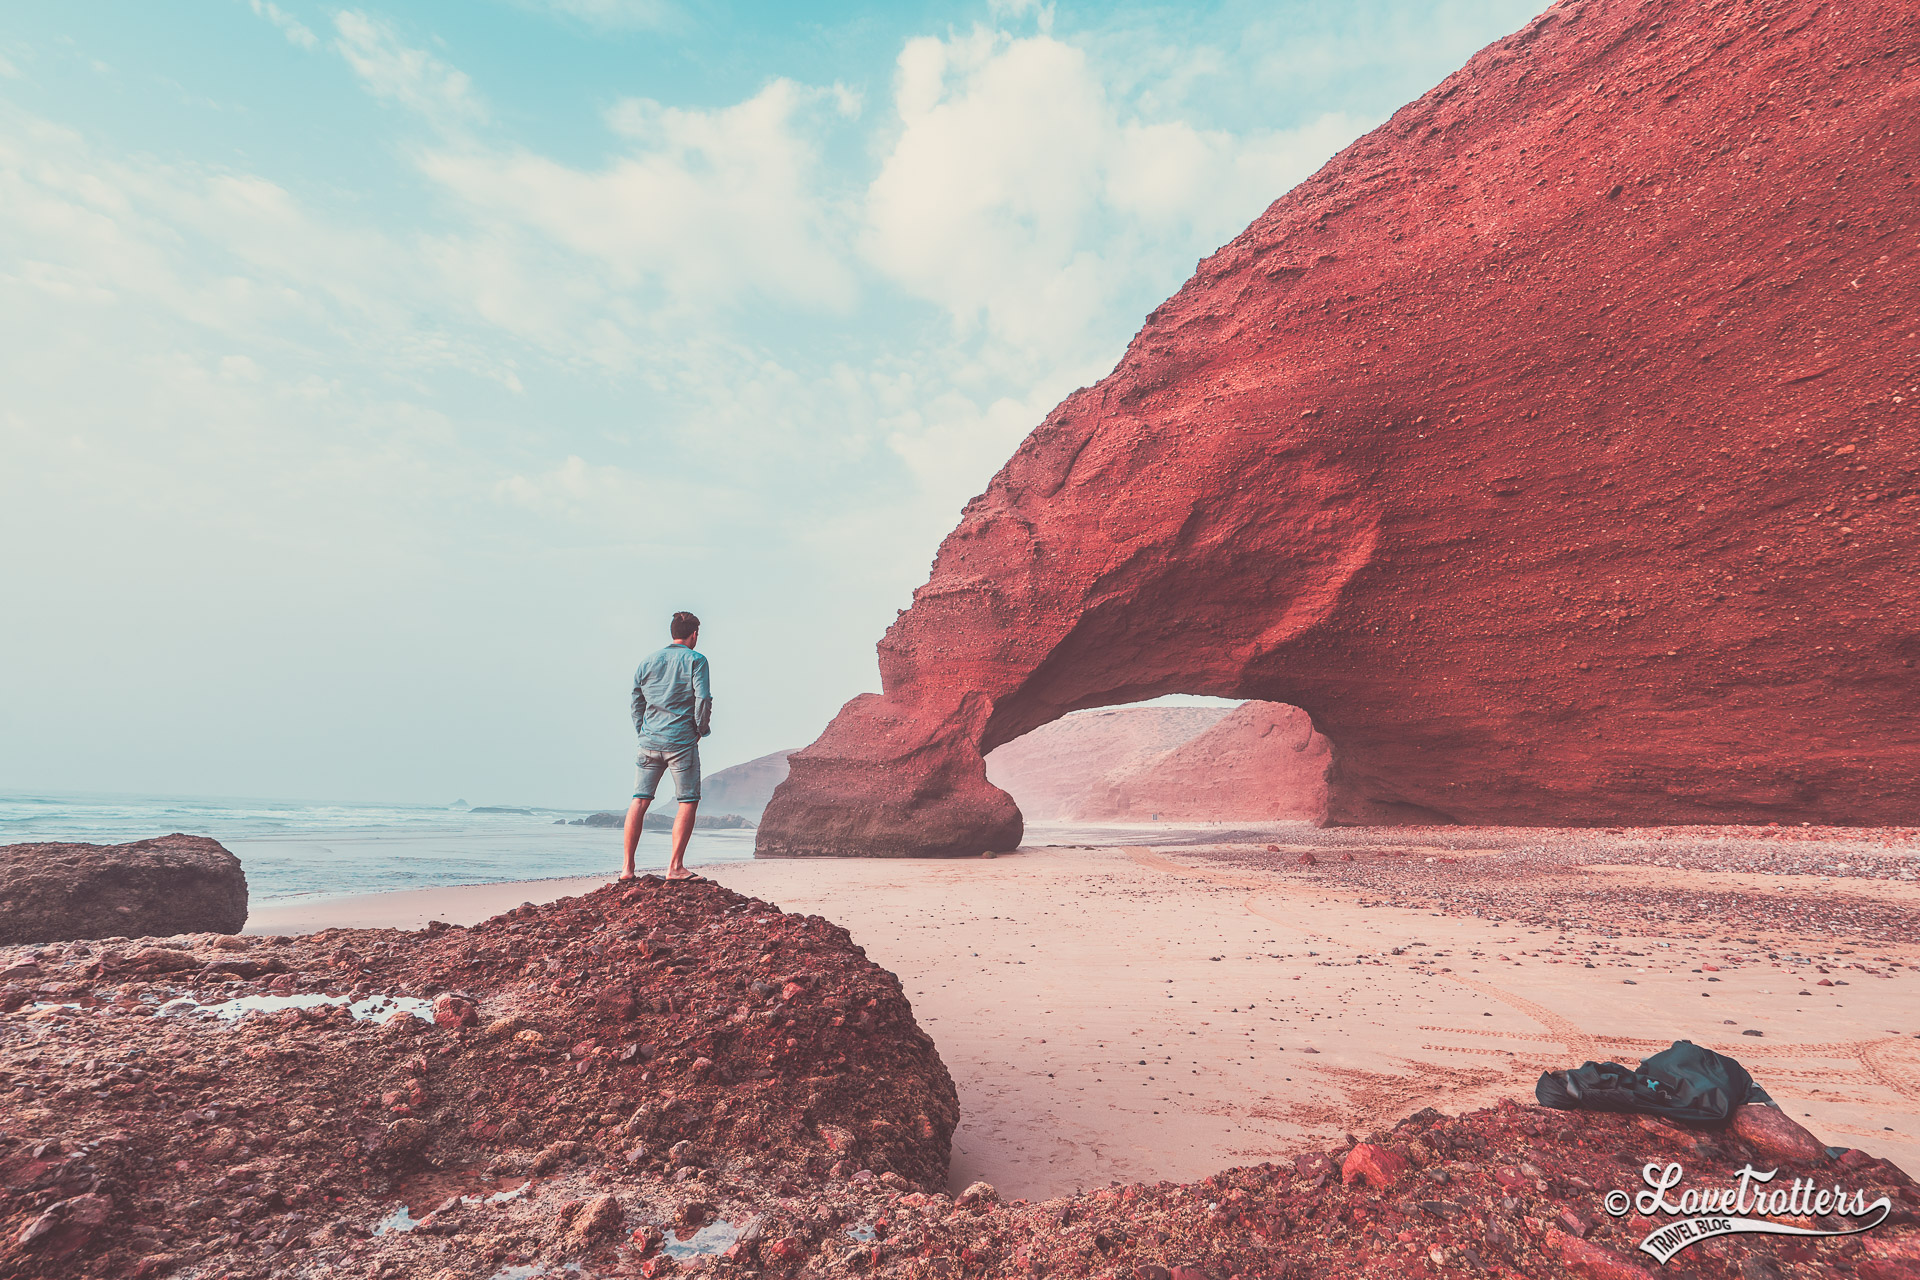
x=1553 y=447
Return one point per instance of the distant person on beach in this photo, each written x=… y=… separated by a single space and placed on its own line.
x=672 y=711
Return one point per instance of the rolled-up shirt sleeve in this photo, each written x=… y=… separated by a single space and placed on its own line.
x=702 y=698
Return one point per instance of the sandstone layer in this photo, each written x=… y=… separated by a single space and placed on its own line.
x=150 y=888
x=1050 y=771
x=1552 y=447
x=1264 y=761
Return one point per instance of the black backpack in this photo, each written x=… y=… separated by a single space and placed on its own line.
x=1684 y=1083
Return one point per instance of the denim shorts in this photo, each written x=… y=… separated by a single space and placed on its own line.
x=685 y=764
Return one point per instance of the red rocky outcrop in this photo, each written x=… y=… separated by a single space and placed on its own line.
x=657 y=1049
x=1552 y=447
x=147 y=889
x=760 y=1077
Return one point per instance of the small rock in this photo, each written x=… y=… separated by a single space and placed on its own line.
x=1315 y=1164
x=1575 y=1223
x=407 y=1135
x=593 y=1218
x=979 y=1193
x=786 y=1251
x=450 y=1010
x=554 y=1155
x=1379 y=1166
x=1590 y=1260
x=1770 y=1130
x=839 y=1140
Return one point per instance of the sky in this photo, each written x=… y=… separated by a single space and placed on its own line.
x=376 y=381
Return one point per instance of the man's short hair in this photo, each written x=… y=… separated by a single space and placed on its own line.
x=684 y=625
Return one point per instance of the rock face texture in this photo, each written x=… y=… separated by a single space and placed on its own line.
x=1050 y=771
x=1262 y=761
x=744 y=789
x=147 y=889
x=1553 y=447
x=660 y=1054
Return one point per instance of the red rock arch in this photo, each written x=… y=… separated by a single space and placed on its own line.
x=1554 y=447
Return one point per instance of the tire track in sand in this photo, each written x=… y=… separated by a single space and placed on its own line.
x=1891 y=1063
x=1576 y=1042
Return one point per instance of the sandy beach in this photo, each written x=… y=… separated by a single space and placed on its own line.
x=1165 y=1008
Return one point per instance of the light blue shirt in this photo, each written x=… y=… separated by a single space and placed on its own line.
x=672 y=699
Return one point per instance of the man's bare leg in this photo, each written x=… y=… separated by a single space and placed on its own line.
x=635 y=813
x=682 y=832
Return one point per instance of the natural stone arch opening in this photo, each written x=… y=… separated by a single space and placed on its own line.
x=1468 y=447
x=1250 y=762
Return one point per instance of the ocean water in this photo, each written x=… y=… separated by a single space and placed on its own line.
x=297 y=850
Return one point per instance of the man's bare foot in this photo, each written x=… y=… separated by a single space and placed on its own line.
x=685 y=875
x=625 y=877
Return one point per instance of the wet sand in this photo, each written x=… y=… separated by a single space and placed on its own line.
x=1188 y=1000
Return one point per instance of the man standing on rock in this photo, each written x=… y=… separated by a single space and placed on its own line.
x=672 y=711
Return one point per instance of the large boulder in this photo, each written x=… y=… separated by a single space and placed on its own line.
x=1551 y=447
x=147 y=889
x=674 y=1049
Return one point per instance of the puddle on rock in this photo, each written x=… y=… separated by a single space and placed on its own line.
x=373 y=1008
x=708 y=1242
x=76 y=1003
x=863 y=1233
x=533 y=1271
x=427 y=1194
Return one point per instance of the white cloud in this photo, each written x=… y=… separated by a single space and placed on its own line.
x=984 y=201
x=412 y=77
x=7 y=70
x=296 y=31
x=706 y=205
x=1025 y=193
x=232 y=254
x=608 y=14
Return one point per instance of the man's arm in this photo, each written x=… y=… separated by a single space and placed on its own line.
x=639 y=709
x=702 y=697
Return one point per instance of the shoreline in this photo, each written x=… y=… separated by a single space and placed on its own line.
x=1162 y=1011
